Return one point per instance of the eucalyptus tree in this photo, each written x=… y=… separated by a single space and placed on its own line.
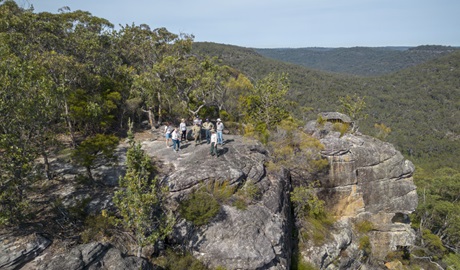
x=144 y=51
x=27 y=122
x=266 y=105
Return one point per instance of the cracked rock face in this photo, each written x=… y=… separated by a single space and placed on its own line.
x=368 y=180
x=255 y=238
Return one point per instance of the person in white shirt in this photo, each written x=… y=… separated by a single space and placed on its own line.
x=168 y=130
x=220 y=129
x=175 y=139
x=183 y=129
x=214 y=143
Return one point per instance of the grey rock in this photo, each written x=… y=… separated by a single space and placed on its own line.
x=16 y=251
x=94 y=256
x=255 y=238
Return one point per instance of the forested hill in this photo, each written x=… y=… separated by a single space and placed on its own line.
x=363 y=61
x=420 y=104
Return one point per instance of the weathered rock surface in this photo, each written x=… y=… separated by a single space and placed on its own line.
x=368 y=180
x=94 y=256
x=16 y=251
x=255 y=238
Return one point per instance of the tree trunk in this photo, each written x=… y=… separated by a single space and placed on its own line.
x=69 y=125
x=159 y=109
x=151 y=118
x=89 y=174
x=47 y=165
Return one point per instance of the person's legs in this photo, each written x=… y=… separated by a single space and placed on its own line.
x=174 y=144
x=184 y=135
x=219 y=137
x=212 y=149
x=208 y=136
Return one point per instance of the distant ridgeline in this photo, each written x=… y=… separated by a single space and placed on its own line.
x=361 y=61
x=417 y=97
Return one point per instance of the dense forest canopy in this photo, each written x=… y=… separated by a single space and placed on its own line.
x=419 y=104
x=362 y=61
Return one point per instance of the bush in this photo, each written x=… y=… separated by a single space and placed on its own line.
x=365 y=246
x=199 y=208
x=177 y=261
x=98 y=227
x=364 y=226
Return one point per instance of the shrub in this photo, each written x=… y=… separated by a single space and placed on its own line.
x=365 y=246
x=99 y=227
x=199 y=208
x=220 y=190
x=178 y=261
x=364 y=226
x=341 y=127
x=246 y=195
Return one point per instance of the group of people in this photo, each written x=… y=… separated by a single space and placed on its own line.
x=213 y=136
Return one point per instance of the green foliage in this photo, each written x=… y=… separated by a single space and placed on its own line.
x=438 y=210
x=266 y=105
x=220 y=190
x=361 y=61
x=296 y=150
x=306 y=203
x=141 y=199
x=382 y=131
x=199 y=208
x=99 y=227
x=298 y=263
x=178 y=261
x=341 y=127
x=452 y=261
x=99 y=146
x=247 y=194
x=364 y=226
x=365 y=246
x=353 y=106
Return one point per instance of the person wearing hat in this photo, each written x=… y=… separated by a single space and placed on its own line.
x=207 y=127
x=196 y=131
x=213 y=140
x=220 y=130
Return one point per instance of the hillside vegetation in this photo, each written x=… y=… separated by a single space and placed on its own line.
x=363 y=61
x=72 y=87
x=420 y=104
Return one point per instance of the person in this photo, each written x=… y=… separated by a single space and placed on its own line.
x=208 y=126
x=196 y=131
x=167 y=133
x=175 y=140
x=183 y=128
x=220 y=130
x=213 y=140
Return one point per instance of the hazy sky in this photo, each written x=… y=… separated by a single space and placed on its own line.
x=284 y=23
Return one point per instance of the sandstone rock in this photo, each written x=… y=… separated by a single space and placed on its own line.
x=368 y=180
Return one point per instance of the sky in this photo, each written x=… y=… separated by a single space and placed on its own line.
x=284 y=23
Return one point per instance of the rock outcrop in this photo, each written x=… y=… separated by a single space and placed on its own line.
x=368 y=180
x=256 y=238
